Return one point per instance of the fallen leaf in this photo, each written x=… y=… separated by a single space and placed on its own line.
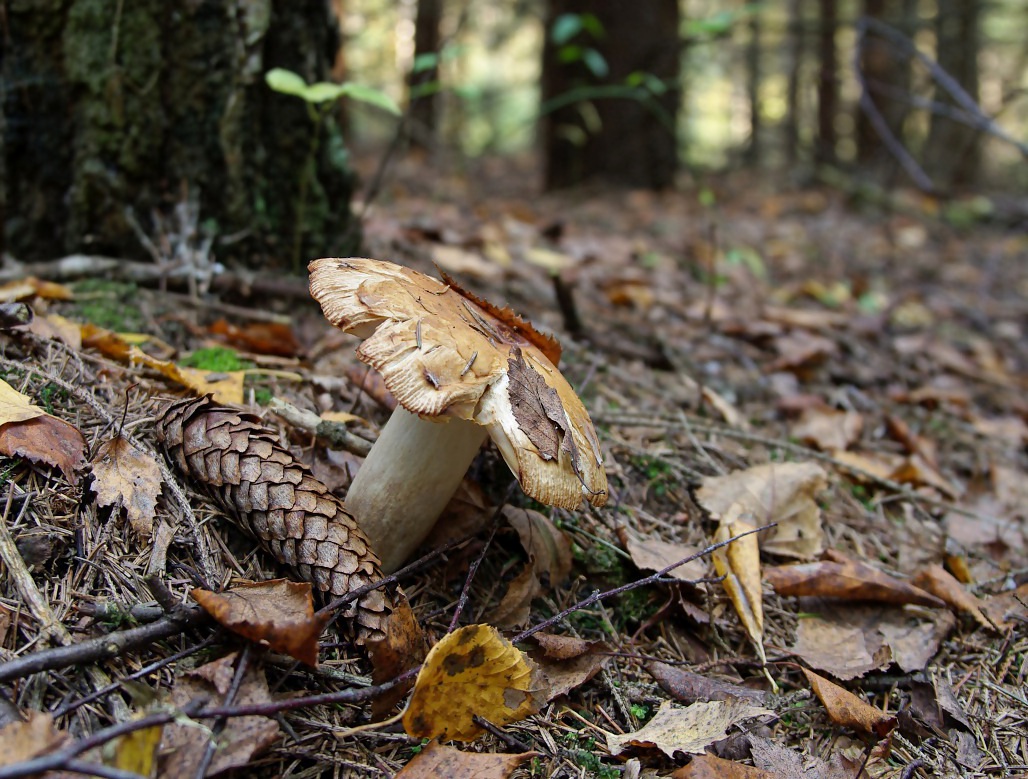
x=849 y=711
x=689 y=729
x=655 y=554
x=136 y=752
x=16 y=315
x=402 y=648
x=36 y=736
x=455 y=259
x=437 y=760
x=124 y=476
x=739 y=564
x=1008 y=608
x=786 y=763
x=242 y=738
x=799 y=350
x=56 y=327
x=562 y=647
x=539 y=412
x=32 y=287
x=710 y=767
x=46 y=439
x=850 y=580
x=774 y=492
x=564 y=663
x=689 y=687
x=549 y=564
x=828 y=429
x=260 y=337
x=16 y=407
x=548 y=260
x=276 y=613
x=471 y=671
x=937 y=581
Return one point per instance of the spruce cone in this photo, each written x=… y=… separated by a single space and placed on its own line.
x=239 y=464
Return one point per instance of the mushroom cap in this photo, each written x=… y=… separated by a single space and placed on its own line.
x=443 y=352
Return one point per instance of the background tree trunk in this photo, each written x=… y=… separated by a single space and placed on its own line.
x=828 y=82
x=627 y=141
x=795 y=43
x=952 y=153
x=753 y=73
x=426 y=42
x=114 y=106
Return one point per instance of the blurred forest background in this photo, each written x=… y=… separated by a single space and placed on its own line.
x=115 y=114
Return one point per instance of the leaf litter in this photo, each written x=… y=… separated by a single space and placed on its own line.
x=913 y=414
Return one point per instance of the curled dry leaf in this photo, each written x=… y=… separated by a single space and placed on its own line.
x=937 y=581
x=846 y=579
x=46 y=439
x=124 y=476
x=472 y=671
x=565 y=662
x=437 y=760
x=739 y=564
x=847 y=710
x=688 y=687
x=690 y=729
x=276 y=613
x=784 y=493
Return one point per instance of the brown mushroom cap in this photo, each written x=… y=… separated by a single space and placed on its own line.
x=445 y=353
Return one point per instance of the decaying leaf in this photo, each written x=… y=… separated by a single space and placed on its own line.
x=655 y=554
x=689 y=687
x=260 y=337
x=437 y=760
x=690 y=729
x=46 y=439
x=847 y=710
x=784 y=763
x=124 y=476
x=242 y=739
x=473 y=670
x=35 y=736
x=828 y=429
x=276 y=613
x=564 y=663
x=774 y=492
x=937 y=581
x=739 y=564
x=846 y=579
x=549 y=563
x=710 y=767
x=402 y=647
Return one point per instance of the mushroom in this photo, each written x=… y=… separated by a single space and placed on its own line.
x=461 y=369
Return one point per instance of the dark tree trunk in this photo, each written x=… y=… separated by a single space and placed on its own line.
x=115 y=110
x=626 y=140
x=828 y=82
x=422 y=97
x=885 y=72
x=795 y=43
x=753 y=72
x=952 y=153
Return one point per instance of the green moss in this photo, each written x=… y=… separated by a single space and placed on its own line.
x=108 y=304
x=218 y=359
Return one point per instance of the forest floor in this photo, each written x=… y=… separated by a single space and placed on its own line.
x=750 y=352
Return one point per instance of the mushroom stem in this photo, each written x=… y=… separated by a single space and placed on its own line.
x=411 y=473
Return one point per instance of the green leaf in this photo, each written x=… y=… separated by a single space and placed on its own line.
x=323 y=92
x=595 y=62
x=424 y=62
x=565 y=27
x=285 y=81
x=371 y=96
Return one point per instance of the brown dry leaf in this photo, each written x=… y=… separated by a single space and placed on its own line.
x=789 y=764
x=655 y=554
x=276 y=613
x=562 y=647
x=242 y=739
x=124 y=476
x=261 y=337
x=739 y=564
x=549 y=564
x=710 y=767
x=30 y=287
x=690 y=729
x=847 y=710
x=473 y=670
x=937 y=581
x=403 y=647
x=464 y=262
x=774 y=492
x=564 y=662
x=46 y=439
x=848 y=580
x=828 y=429
x=56 y=327
x=1008 y=608
x=917 y=471
x=688 y=687
x=36 y=736
x=437 y=760
x=800 y=350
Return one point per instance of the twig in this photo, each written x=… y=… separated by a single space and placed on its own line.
x=472 y=570
x=333 y=433
x=102 y=647
x=242 y=665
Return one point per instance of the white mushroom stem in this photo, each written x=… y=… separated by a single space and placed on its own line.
x=409 y=476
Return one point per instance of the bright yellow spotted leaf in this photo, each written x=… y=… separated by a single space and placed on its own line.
x=471 y=671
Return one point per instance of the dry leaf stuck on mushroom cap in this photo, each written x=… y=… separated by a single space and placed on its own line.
x=443 y=352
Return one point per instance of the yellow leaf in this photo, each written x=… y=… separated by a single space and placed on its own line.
x=136 y=751
x=739 y=563
x=471 y=671
x=15 y=407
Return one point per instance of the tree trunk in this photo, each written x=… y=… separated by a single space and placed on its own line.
x=611 y=126
x=795 y=41
x=119 y=111
x=953 y=153
x=828 y=82
x=422 y=96
x=753 y=71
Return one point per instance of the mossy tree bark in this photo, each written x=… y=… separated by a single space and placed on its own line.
x=116 y=111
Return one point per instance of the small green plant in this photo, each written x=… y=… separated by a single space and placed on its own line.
x=217 y=359
x=319 y=98
x=108 y=304
x=51 y=393
x=262 y=396
x=639 y=711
